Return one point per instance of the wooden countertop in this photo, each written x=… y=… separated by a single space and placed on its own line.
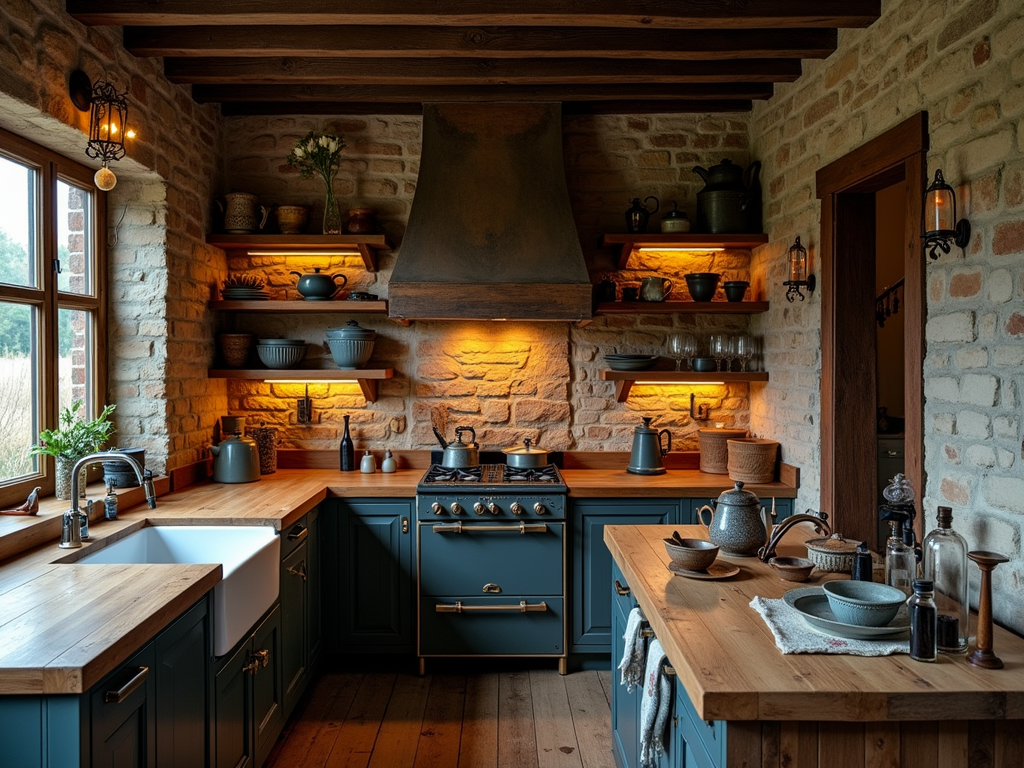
x=725 y=656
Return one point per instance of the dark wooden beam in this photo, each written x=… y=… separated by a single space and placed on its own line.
x=623 y=107
x=350 y=71
x=300 y=94
x=638 y=14
x=481 y=42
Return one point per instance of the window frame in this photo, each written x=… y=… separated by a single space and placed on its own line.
x=53 y=167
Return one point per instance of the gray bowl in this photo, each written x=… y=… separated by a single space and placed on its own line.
x=863 y=603
x=349 y=354
x=280 y=356
x=702 y=285
x=693 y=555
x=704 y=364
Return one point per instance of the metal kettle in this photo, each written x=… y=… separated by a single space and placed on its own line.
x=730 y=202
x=236 y=460
x=457 y=454
x=645 y=458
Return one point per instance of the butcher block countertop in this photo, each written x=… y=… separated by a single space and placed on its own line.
x=725 y=656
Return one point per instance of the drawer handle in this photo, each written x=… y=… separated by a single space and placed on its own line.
x=523 y=607
x=298 y=533
x=646 y=632
x=126 y=690
x=299 y=570
x=522 y=527
x=620 y=590
x=492 y=588
x=670 y=671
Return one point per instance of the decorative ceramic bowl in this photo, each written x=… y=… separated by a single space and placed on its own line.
x=735 y=290
x=704 y=364
x=833 y=554
x=280 y=355
x=350 y=353
x=702 y=285
x=694 y=555
x=792 y=568
x=863 y=603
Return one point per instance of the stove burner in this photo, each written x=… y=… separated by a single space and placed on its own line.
x=439 y=474
x=546 y=474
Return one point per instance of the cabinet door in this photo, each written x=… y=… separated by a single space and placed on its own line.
x=591 y=583
x=370 y=578
x=625 y=704
x=267 y=688
x=314 y=624
x=123 y=719
x=294 y=589
x=232 y=719
x=183 y=653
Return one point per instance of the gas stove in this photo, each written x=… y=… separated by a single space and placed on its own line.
x=492 y=478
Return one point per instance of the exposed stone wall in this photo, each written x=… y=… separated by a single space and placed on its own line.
x=159 y=270
x=963 y=62
x=507 y=380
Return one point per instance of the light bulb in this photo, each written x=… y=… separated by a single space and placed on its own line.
x=105 y=179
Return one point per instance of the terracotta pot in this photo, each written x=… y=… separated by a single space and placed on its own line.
x=360 y=222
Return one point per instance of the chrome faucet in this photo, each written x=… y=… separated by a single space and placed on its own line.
x=775 y=533
x=71 y=527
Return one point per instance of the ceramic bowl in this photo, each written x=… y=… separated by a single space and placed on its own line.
x=735 y=290
x=350 y=353
x=279 y=355
x=282 y=342
x=863 y=603
x=792 y=568
x=694 y=555
x=702 y=285
x=704 y=364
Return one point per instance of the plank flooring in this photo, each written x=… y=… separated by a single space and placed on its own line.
x=519 y=718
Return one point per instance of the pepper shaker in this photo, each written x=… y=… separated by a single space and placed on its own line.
x=368 y=464
x=389 y=464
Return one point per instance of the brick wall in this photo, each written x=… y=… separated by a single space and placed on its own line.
x=963 y=62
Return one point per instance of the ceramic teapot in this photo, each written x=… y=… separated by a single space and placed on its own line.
x=236 y=460
x=737 y=525
x=731 y=199
x=239 y=210
x=639 y=214
x=315 y=286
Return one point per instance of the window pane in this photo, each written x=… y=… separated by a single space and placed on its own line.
x=19 y=409
x=18 y=185
x=75 y=371
x=74 y=239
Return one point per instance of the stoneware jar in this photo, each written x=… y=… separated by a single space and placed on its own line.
x=360 y=222
x=291 y=219
x=240 y=213
x=736 y=525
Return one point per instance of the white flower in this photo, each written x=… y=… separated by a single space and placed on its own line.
x=299 y=152
x=333 y=146
x=324 y=141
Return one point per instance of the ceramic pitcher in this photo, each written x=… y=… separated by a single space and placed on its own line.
x=655 y=288
x=240 y=213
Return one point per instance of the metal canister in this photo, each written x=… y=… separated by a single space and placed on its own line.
x=266 y=443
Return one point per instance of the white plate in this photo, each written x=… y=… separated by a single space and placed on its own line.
x=812 y=605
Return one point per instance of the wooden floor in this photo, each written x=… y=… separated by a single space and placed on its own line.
x=520 y=718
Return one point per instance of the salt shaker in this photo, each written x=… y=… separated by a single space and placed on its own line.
x=389 y=464
x=368 y=464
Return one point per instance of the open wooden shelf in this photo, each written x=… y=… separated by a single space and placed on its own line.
x=681 y=307
x=629 y=244
x=624 y=380
x=367 y=378
x=301 y=306
x=365 y=245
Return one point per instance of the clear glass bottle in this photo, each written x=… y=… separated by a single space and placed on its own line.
x=945 y=563
x=900 y=561
x=923 y=622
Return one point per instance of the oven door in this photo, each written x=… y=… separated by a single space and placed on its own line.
x=491 y=626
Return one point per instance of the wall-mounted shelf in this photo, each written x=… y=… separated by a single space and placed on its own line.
x=367 y=378
x=629 y=244
x=681 y=307
x=303 y=307
x=624 y=380
x=366 y=246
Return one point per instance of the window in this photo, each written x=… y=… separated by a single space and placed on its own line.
x=51 y=304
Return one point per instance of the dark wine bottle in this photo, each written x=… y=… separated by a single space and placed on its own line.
x=347 y=451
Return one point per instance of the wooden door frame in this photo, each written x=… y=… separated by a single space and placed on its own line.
x=846 y=188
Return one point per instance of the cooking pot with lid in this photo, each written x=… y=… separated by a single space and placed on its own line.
x=527 y=455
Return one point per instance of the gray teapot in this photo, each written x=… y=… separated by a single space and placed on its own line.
x=730 y=202
x=736 y=525
x=236 y=460
x=319 y=287
x=645 y=459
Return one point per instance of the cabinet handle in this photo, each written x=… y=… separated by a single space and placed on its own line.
x=620 y=590
x=299 y=570
x=646 y=632
x=523 y=607
x=298 y=533
x=405 y=525
x=257 y=661
x=126 y=690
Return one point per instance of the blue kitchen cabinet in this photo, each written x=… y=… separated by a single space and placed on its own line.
x=300 y=606
x=368 y=576
x=591 y=562
x=783 y=508
x=625 y=704
x=123 y=711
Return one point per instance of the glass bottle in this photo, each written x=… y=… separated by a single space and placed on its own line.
x=900 y=562
x=945 y=563
x=923 y=622
x=347 y=450
x=863 y=567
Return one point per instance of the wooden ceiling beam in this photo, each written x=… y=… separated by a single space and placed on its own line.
x=480 y=42
x=623 y=107
x=299 y=95
x=637 y=14
x=475 y=71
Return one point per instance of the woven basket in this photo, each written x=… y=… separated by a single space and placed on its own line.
x=714 y=451
x=752 y=459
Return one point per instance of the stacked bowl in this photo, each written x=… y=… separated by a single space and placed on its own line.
x=630 y=362
x=281 y=353
x=351 y=346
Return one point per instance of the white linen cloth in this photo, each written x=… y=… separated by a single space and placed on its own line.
x=655 y=702
x=632 y=664
x=794 y=635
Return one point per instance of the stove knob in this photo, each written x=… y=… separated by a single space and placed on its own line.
x=517 y=508
x=456 y=508
x=479 y=508
x=493 y=508
x=436 y=508
x=539 y=508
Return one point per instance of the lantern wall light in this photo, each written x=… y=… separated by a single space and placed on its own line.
x=940 y=227
x=108 y=120
x=798 y=273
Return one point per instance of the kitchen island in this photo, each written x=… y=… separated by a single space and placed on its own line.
x=815 y=710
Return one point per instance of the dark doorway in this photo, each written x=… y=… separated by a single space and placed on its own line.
x=849 y=375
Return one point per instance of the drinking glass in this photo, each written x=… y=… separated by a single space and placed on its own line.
x=744 y=349
x=719 y=347
x=676 y=346
x=689 y=349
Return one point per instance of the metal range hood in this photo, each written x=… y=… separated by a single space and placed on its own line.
x=491 y=235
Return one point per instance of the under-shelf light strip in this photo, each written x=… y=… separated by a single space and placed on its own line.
x=311 y=381
x=679 y=383
x=311 y=252
x=666 y=249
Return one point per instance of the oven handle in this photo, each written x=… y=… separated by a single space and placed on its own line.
x=523 y=607
x=522 y=527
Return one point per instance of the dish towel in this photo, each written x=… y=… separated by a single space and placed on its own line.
x=794 y=635
x=632 y=664
x=655 y=702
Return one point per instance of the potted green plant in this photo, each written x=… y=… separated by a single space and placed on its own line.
x=75 y=438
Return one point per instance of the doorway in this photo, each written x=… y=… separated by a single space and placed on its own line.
x=849 y=373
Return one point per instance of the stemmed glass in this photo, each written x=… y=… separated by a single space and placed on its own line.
x=689 y=349
x=676 y=344
x=744 y=349
x=719 y=346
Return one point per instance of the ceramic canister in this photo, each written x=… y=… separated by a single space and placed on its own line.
x=266 y=443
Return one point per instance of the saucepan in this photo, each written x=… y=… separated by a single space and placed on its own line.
x=527 y=455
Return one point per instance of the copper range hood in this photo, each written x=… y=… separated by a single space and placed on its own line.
x=491 y=235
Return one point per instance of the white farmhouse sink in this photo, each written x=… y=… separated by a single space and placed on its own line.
x=249 y=555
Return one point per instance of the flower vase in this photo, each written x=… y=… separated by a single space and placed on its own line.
x=332 y=216
x=62 y=480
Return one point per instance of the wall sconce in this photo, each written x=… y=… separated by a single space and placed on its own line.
x=108 y=117
x=940 y=224
x=798 y=277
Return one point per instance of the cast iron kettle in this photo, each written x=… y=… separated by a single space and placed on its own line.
x=457 y=454
x=737 y=524
x=645 y=458
x=236 y=460
x=730 y=202
x=315 y=286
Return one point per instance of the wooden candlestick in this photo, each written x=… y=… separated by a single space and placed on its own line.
x=983 y=656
